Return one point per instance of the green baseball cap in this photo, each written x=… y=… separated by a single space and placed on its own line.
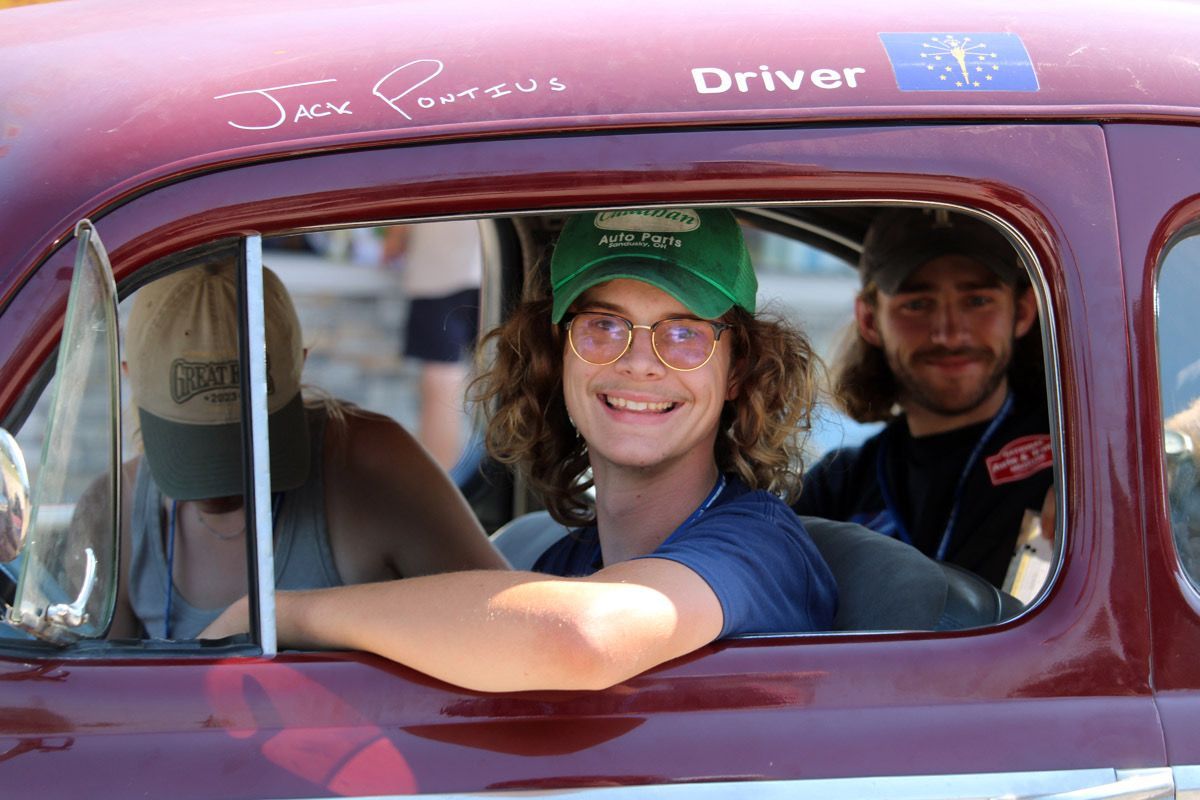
x=697 y=256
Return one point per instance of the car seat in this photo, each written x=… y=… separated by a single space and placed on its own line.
x=885 y=584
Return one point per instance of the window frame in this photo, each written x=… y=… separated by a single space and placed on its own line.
x=1188 y=230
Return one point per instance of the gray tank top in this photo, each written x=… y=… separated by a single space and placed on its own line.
x=303 y=557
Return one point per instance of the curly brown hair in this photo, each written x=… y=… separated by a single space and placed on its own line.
x=865 y=388
x=761 y=434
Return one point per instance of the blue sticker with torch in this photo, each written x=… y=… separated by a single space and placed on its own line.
x=960 y=62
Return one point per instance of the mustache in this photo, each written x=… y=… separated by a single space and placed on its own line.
x=935 y=353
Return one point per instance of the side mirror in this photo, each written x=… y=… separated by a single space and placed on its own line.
x=14 y=498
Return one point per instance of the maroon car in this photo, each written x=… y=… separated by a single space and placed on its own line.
x=136 y=138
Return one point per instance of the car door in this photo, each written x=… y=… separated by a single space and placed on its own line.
x=1157 y=185
x=1056 y=700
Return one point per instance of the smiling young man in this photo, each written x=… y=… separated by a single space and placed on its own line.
x=941 y=350
x=649 y=367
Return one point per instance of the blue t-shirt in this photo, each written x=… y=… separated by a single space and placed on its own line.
x=749 y=547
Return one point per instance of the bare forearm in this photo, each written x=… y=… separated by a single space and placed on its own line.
x=492 y=631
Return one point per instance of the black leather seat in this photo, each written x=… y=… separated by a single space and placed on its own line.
x=883 y=584
x=971 y=601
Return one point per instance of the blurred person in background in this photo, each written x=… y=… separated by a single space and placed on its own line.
x=945 y=350
x=441 y=269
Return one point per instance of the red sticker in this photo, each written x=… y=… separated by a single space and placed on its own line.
x=1021 y=458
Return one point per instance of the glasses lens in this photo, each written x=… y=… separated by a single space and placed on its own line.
x=599 y=338
x=684 y=343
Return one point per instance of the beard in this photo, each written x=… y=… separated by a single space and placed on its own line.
x=950 y=398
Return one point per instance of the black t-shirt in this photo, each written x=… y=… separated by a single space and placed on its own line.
x=1011 y=474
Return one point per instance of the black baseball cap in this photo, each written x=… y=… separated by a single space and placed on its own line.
x=900 y=240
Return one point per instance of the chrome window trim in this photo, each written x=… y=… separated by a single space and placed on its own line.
x=1084 y=784
x=258 y=465
x=1187 y=782
x=1188 y=230
x=1037 y=278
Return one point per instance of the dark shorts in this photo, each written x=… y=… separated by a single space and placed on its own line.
x=442 y=328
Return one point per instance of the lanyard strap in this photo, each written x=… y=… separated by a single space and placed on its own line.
x=708 y=501
x=889 y=501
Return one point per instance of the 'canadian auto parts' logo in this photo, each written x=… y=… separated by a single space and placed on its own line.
x=649 y=220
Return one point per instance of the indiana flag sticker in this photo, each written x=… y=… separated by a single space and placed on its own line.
x=960 y=62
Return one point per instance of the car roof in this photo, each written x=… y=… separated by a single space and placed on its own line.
x=104 y=98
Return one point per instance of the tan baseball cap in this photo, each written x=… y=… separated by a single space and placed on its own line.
x=182 y=351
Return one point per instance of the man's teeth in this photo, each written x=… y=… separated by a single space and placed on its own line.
x=634 y=405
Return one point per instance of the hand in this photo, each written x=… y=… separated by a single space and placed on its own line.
x=233 y=620
x=1049 y=514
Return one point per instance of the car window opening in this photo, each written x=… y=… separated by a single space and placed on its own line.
x=944 y=477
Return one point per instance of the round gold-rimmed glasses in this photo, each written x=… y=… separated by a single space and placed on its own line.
x=681 y=343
